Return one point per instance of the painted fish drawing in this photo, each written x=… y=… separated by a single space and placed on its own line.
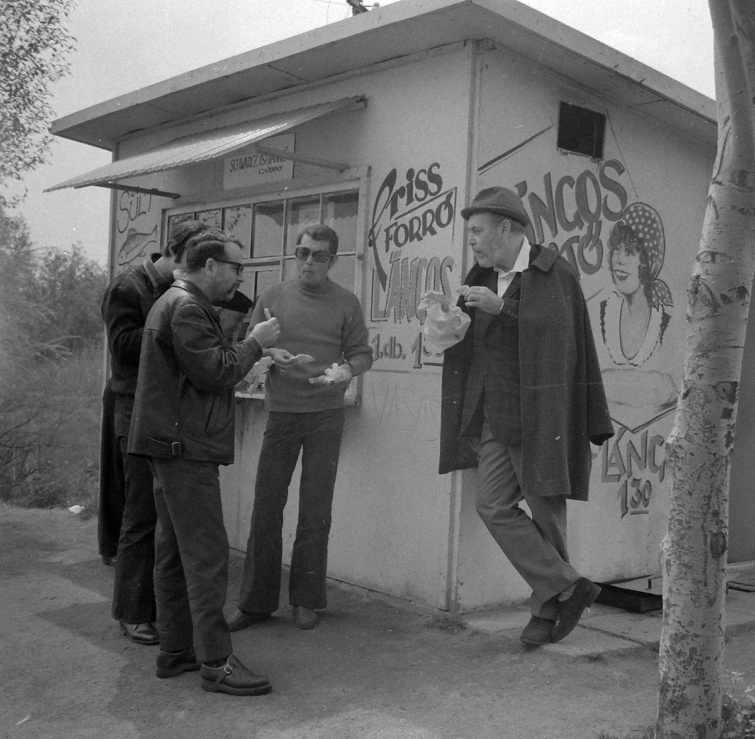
x=137 y=244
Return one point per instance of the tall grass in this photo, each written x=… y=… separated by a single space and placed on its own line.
x=49 y=429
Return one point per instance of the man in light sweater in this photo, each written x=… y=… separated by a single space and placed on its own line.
x=323 y=344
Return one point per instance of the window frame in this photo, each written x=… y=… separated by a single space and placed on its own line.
x=356 y=181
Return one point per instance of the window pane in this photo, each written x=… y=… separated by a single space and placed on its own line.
x=173 y=221
x=268 y=230
x=581 y=130
x=290 y=270
x=266 y=278
x=237 y=221
x=247 y=284
x=342 y=272
x=302 y=212
x=210 y=217
x=340 y=213
x=256 y=281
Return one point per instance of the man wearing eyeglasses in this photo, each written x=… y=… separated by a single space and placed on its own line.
x=322 y=346
x=183 y=423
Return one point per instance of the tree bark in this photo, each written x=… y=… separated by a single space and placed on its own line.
x=699 y=449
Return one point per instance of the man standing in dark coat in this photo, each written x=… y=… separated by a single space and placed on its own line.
x=522 y=400
x=183 y=422
x=125 y=306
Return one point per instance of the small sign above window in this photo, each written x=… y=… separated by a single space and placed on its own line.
x=249 y=167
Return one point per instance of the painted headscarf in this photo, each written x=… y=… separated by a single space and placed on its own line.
x=647 y=226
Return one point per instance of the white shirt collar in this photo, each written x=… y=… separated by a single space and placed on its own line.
x=522 y=259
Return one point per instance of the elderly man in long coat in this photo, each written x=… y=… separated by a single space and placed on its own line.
x=522 y=400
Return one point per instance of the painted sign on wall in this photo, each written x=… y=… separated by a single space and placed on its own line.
x=411 y=237
x=137 y=219
x=618 y=247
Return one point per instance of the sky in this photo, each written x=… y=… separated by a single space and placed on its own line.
x=122 y=47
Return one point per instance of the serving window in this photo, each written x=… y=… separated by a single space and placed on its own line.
x=267 y=227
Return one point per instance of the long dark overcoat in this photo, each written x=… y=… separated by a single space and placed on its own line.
x=563 y=403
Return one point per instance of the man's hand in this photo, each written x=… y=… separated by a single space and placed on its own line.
x=266 y=332
x=484 y=299
x=283 y=358
x=334 y=373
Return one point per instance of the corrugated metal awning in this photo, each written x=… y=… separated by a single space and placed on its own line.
x=204 y=146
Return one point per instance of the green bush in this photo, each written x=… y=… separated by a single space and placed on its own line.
x=49 y=432
x=51 y=365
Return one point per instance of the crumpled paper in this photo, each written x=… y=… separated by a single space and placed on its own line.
x=445 y=325
x=334 y=373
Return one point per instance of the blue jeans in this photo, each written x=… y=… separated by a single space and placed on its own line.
x=317 y=436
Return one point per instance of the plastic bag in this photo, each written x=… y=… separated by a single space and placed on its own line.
x=254 y=381
x=445 y=325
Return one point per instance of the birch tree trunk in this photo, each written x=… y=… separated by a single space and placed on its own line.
x=699 y=449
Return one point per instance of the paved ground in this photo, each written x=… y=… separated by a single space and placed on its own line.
x=374 y=668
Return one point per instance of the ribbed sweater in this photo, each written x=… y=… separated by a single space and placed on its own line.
x=325 y=322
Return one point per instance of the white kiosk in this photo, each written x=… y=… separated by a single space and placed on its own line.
x=384 y=126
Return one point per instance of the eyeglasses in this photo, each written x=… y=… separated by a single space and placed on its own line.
x=236 y=265
x=302 y=253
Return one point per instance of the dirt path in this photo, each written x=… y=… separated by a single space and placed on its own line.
x=373 y=669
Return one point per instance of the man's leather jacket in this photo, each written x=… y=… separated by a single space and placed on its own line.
x=184 y=405
x=125 y=307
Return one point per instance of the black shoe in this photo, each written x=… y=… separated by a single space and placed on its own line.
x=172 y=664
x=571 y=609
x=537 y=632
x=140 y=633
x=109 y=560
x=305 y=618
x=241 y=619
x=233 y=678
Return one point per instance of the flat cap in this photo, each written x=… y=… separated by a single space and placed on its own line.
x=498 y=200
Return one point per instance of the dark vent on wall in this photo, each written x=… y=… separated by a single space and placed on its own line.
x=581 y=131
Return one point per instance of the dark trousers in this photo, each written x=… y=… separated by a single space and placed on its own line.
x=133 y=589
x=111 y=499
x=318 y=437
x=191 y=558
x=535 y=546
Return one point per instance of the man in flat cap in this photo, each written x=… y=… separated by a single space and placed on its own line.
x=522 y=400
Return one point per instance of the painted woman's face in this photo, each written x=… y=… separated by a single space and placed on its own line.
x=625 y=268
